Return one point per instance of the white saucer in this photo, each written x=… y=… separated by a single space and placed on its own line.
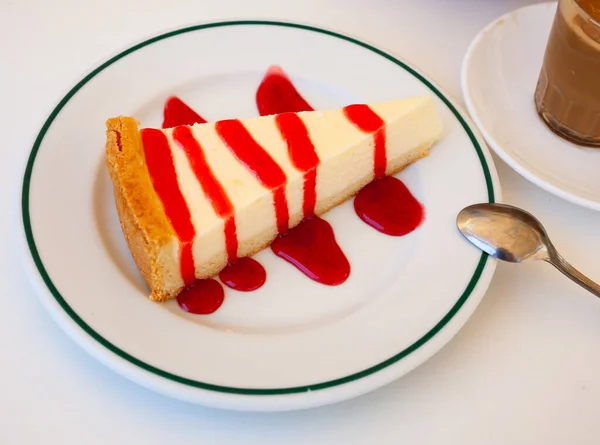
x=499 y=76
x=293 y=343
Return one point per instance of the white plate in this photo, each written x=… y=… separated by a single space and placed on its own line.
x=499 y=76
x=293 y=343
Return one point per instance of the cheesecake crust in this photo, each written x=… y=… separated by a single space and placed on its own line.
x=149 y=234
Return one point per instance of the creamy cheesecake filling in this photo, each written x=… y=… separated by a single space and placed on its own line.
x=345 y=151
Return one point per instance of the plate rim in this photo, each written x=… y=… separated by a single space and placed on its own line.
x=491 y=181
x=510 y=160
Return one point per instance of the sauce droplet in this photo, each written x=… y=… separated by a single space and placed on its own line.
x=312 y=248
x=202 y=297
x=245 y=274
x=176 y=112
x=277 y=94
x=387 y=205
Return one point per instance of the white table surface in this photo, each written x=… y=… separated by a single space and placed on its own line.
x=524 y=370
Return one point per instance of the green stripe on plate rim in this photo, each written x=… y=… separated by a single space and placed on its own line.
x=207 y=386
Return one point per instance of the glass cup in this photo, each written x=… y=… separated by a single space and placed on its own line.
x=567 y=96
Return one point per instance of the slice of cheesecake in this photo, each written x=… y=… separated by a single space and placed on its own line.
x=193 y=198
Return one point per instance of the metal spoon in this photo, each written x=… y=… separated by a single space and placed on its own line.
x=511 y=234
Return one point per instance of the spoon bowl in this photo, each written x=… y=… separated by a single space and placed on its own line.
x=504 y=232
x=514 y=235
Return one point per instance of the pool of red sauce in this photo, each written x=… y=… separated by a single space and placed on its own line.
x=385 y=204
x=245 y=274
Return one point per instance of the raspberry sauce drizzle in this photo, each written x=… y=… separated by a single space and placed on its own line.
x=210 y=185
x=198 y=296
x=303 y=155
x=386 y=203
x=311 y=245
x=260 y=163
x=244 y=274
x=161 y=169
x=366 y=120
x=277 y=94
x=176 y=112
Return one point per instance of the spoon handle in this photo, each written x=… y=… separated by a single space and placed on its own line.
x=561 y=264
